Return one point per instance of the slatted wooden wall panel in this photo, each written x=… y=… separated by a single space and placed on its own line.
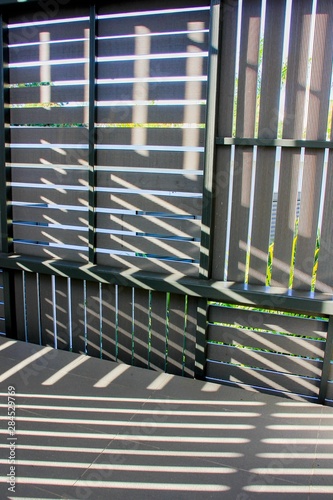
x=273 y=200
x=150 y=115
x=48 y=134
x=270 y=351
x=144 y=143
x=142 y=328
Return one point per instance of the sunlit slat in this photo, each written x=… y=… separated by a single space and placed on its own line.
x=145 y=13
x=154 y=192
x=148 y=79
x=157 y=102
x=51 y=62
x=49 y=21
x=135 y=57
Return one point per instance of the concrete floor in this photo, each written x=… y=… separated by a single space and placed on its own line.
x=92 y=429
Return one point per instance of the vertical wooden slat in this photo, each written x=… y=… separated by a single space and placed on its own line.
x=141 y=322
x=292 y=129
x=176 y=332
x=210 y=149
x=62 y=313
x=48 y=310
x=190 y=336
x=19 y=308
x=268 y=127
x=109 y=346
x=125 y=325
x=224 y=129
x=93 y=320
x=158 y=331
x=319 y=94
x=78 y=323
x=33 y=300
x=245 y=127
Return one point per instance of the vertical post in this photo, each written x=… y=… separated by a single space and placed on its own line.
x=328 y=355
x=210 y=140
x=208 y=185
x=92 y=135
x=5 y=189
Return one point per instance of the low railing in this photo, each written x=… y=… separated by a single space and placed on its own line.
x=270 y=339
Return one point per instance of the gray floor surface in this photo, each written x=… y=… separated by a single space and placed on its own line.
x=82 y=428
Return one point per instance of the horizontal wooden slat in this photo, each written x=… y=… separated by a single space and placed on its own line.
x=137 y=158
x=58 y=115
x=190 y=183
x=53 y=216
x=54 y=175
x=167 y=112
x=150 y=203
x=264 y=360
x=161 y=66
x=268 y=321
x=47 y=234
x=51 y=135
x=31 y=53
x=73 y=29
x=58 y=72
x=156 y=89
x=167 y=226
x=156 y=23
x=57 y=196
x=168 y=137
x=57 y=94
x=269 y=341
x=147 y=264
x=173 y=43
x=72 y=255
x=51 y=154
x=149 y=245
x=281 y=382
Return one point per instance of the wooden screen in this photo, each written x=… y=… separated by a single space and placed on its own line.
x=107 y=122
